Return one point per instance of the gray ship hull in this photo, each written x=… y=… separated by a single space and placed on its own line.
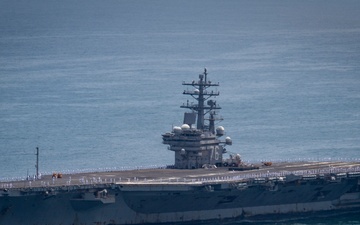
x=147 y=203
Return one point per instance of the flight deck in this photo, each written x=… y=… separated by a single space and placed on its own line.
x=174 y=176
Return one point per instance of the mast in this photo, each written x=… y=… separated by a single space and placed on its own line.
x=37 y=163
x=200 y=94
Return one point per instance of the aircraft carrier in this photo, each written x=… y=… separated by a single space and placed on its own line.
x=201 y=187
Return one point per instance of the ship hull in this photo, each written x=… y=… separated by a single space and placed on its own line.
x=180 y=203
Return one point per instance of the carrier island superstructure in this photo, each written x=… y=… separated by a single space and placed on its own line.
x=202 y=186
x=200 y=146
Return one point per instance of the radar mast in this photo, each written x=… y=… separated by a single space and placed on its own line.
x=201 y=94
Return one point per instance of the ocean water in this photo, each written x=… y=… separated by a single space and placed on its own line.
x=94 y=84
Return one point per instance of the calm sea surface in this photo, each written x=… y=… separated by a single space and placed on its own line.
x=94 y=84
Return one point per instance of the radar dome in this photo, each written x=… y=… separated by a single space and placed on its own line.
x=220 y=131
x=228 y=141
x=185 y=127
x=176 y=129
x=196 y=91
